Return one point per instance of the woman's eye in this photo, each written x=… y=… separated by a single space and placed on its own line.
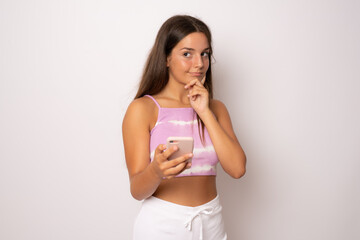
x=187 y=54
x=205 y=54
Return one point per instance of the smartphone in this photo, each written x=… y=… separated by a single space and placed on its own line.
x=185 y=145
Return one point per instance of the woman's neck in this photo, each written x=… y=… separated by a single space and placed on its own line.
x=176 y=92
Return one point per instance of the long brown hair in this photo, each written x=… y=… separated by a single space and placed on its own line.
x=156 y=74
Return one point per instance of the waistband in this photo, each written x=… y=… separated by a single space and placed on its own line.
x=180 y=209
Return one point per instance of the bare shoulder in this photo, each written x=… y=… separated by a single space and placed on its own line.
x=140 y=112
x=143 y=104
x=218 y=108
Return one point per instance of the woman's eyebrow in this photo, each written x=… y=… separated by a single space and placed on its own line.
x=191 y=49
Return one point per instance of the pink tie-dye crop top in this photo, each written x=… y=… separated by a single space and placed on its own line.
x=182 y=122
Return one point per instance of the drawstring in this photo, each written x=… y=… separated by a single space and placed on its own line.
x=203 y=211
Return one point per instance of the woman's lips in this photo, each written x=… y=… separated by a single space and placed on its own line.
x=196 y=74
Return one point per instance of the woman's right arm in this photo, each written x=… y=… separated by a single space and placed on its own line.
x=145 y=177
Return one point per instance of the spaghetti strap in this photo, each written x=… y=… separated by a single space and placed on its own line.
x=157 y=104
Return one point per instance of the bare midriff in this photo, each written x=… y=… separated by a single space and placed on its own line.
x=188 y=191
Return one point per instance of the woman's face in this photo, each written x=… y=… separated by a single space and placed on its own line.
x=189 y=59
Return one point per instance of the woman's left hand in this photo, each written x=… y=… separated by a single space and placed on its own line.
x=198 y=95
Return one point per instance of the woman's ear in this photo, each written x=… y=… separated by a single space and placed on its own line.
x=168 y=60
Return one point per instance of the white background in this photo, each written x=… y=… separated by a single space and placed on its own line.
x=288 y=71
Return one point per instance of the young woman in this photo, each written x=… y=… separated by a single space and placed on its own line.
x=175 y=99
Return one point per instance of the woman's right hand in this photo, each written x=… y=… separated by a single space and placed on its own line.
x=168 y=169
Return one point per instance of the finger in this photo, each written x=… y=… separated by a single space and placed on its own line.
x=192 y=96
x=174 y=162
x=199 y=88
x=175 y=170
x=188 y=165
x=196 y=83
x=181 y=167
x=203 y=80
x=191 y=83
x=158 y=152
x=168 y=152
x=196 y=92
x=172 y=172
x=160 y=148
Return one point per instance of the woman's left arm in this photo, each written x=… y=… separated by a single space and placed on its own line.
x=228 y=149
x=218 y=123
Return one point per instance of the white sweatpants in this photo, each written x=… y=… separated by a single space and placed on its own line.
x=163 y=220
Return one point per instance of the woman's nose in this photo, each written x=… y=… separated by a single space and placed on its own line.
x=199 y=62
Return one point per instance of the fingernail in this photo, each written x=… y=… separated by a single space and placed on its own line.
x=190 y=155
